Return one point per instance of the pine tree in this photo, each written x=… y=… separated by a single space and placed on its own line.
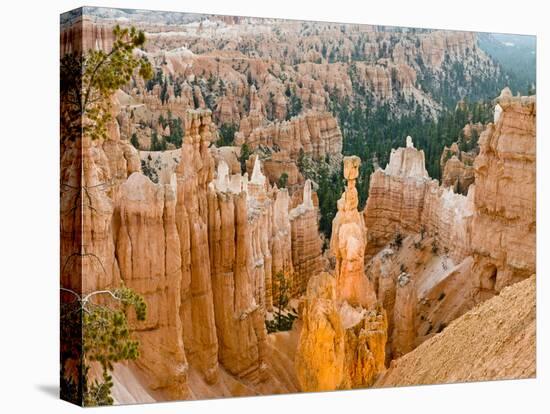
x=100 y=330
x=89 y=80
x=283 y=180
x=245 y=154
x=134 y=141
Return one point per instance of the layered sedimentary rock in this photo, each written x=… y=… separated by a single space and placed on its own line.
x=448 y=216
x=404 y=200
x=340 y=346
x=87 y=248
x=307 y=258
x=348 y=243
x=320 y=356
x=396 y=197
x=197 y=308
x=456 y=250
x=404 y=317
x=278 y=163
x=256 y=114
x=239 y=318
x=83 y=34
x=457 y=169
x=285 y=251
x=148 y=252
x=260 y=212
x=344 y=333
x=504 y=229
x=365 y=345
x=317 y=134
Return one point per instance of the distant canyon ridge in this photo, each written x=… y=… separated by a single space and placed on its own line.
x=208 y=197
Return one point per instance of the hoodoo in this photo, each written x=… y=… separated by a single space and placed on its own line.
x=206 y=195
x=348 y=244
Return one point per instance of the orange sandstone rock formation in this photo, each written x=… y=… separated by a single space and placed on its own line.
x=504 y=227
x=306 y=242
x=404 y=200
x=321 y=349
x=197 y=308
x=148 y=252
x=312 y=134
x=317 y=134
x=239 y=317
x=348 y=244
x=340 y=346
x=457 y=169
x=404 y=317
x=365 y=345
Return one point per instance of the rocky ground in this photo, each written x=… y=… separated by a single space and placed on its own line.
x=495 y=340
x=429 y=283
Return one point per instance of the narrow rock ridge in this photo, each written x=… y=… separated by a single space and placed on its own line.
x=312 y=134
x=234 y=265
x=316 y=133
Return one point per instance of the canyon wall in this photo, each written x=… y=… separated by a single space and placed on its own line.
x=284 y=144
x=504 y=227
x=317 y=134
x=432 y=254
x=404 y=200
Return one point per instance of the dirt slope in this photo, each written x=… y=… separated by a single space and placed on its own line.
x=495 y=340
x=130 y=383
